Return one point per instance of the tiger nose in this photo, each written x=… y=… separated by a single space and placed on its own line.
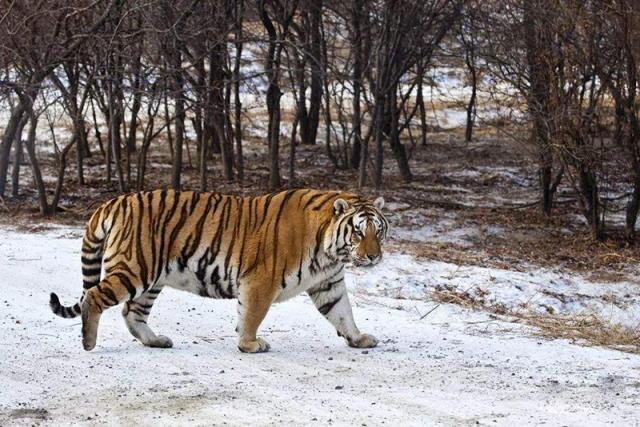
x=373 y=257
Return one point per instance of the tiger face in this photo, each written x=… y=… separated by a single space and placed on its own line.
x=360 y=229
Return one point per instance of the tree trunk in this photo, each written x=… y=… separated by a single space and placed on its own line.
x=17 y=158
x=292 y=153
x=7 y=142
x=272 y=68
x=62 y=166
x=545 y=173
x=471 y=106
x=35 y=166
x=135 y=106
x=96 y=128
x=115 y=137
x=356 y=120
x=133 y=121
x=327 y=123
x=142 y=153
x=589 y=190
x=236 y=91
x=273 y=108
x=203 y=165
x=394 y=140
x=302 y=115
x=223 y=124
x=377 y=177
x=176 y=171
x=167 y=119
x=536 y=43
x=364 y=155
x=420 y=101
x=315 y=54
x=109 y=157
x=80 y=135
x=632 y=211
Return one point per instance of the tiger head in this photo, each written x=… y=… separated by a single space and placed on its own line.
x=359 y=230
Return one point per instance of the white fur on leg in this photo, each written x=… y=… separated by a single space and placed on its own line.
x=332 y=301
x=135 y=315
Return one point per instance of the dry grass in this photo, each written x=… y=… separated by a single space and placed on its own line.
x=586 y=330
x=472 y=298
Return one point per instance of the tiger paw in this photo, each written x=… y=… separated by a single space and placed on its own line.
x=88 y=344
x=160 y=342
x=363 y=341
x=257 y=346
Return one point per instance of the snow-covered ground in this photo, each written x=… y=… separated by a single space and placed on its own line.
x=453 y=367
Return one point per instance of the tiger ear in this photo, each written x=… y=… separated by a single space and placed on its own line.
x=340 y=206
x=378 y=203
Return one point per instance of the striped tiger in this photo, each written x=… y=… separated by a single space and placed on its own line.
x=259 y=250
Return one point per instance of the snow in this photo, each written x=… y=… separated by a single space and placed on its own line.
x=535 y=290
x=453 y=367
x=444 y=231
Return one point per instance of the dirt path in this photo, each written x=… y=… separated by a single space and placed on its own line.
x=454 y=367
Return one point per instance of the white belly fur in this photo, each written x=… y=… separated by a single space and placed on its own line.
x=187 y=280
x=307 y=281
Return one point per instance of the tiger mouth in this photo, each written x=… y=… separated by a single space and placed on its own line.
x=364 y=262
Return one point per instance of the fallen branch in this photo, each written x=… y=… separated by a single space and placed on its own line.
x=429 y=312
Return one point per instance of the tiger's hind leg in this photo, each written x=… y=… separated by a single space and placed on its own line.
x=135 y=315
x=112 y=290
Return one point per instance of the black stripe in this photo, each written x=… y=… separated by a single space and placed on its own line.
x=174 y=233
x=140 y=312
x=107 y=292
x=89 y=240
x=327 y=307
x=236 y=225
x=276 y=226
x=311 y=200
x=142 y=262
x=300 y=268
x=324 y=202
x=307 y=191
x=122 y=267
x=89 y=250
x=162 y=234
x=91 y=271
x=326 y=287
x=126 y=282
x=89 y=261
x=244 y=240
x=153 y=238
x=266 y=208
x=189 y=250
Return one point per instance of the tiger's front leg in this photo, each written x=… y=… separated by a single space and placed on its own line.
x=254 y=300
x=332 y=301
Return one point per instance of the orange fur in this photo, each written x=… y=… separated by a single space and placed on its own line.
x=219 y=245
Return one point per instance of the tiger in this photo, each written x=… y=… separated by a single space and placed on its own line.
x=259 y=250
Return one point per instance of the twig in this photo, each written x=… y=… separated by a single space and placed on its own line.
x=429 y=312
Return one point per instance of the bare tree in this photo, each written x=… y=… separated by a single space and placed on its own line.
x=276 y=17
